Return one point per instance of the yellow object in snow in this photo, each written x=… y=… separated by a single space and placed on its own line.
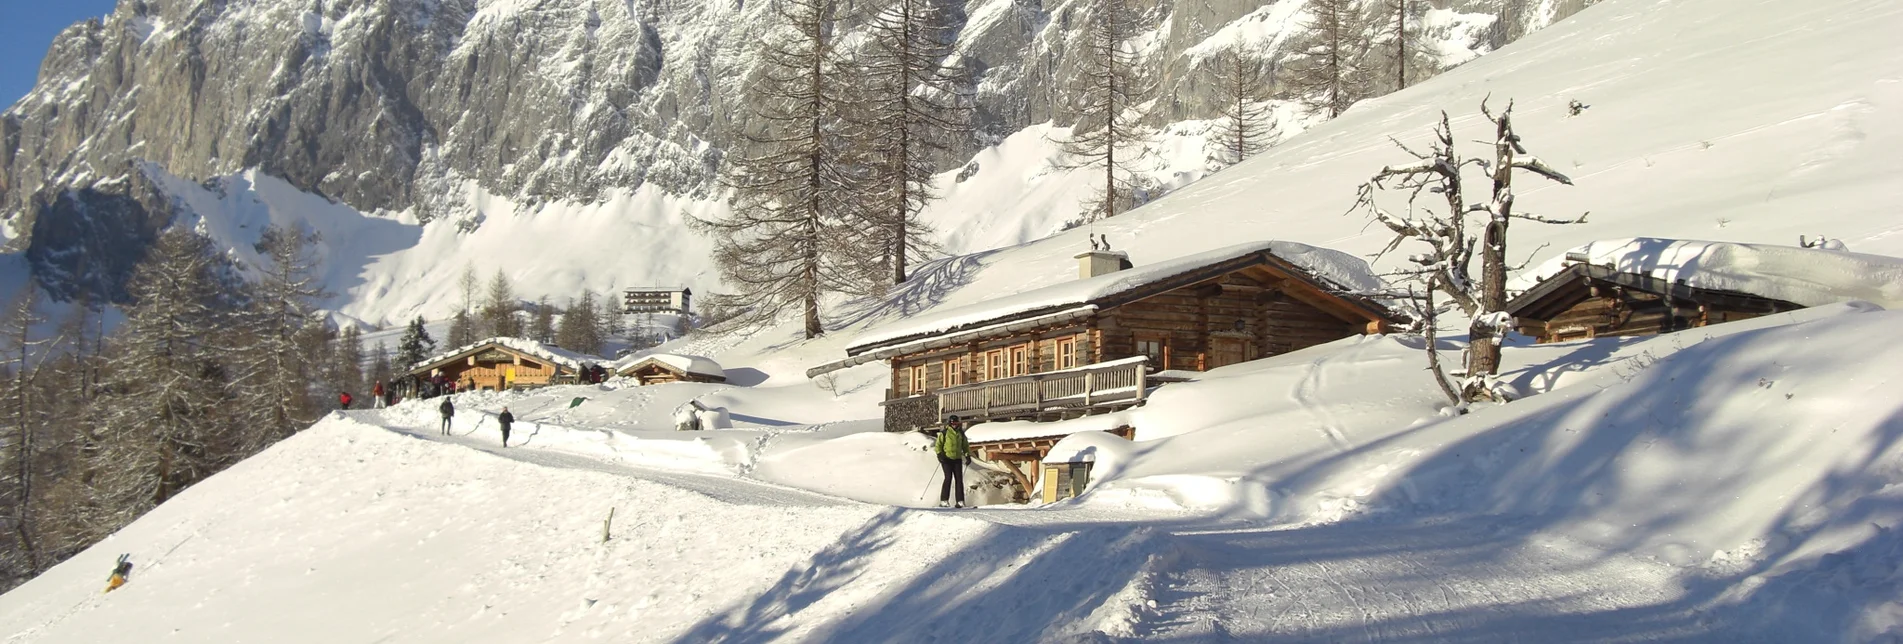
x=116 y=581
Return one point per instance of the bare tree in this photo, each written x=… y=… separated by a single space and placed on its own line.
x=580 y=329
x=913 y=108
x=793 y=184
x=24 y=418
x=1328 y=73
x=543 y=327
x=1446 y=266
x=1399 y=42
x=1109 y=134
x=1243 y=85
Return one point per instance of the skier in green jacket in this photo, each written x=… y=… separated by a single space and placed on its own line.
x=952 y=454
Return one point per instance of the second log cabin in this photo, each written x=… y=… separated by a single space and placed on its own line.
x=1098 y=342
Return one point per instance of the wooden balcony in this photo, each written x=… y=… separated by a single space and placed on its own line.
x=1115 y=384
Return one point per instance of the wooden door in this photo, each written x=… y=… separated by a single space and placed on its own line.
x=1225 y=351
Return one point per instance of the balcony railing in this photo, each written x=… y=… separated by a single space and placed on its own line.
x=1119 y=382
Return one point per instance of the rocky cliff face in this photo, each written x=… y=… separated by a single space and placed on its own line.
x=394 y=105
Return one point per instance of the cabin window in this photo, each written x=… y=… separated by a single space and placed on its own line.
x=918 y=379
x=1066 y=353
x=1157 y=349
x=1020 y=360
x=954 y=376
x=994 y=365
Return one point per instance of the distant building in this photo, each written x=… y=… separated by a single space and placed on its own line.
x=658 y=300
x=506 y=363
x=667 y=367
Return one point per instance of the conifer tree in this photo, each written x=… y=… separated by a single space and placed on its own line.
x=580 y=329
x=1108 y=135
x=1328 y=73
x=1243 y=85
x=462 y=330
x=1406 y=60
x=543 y=328
x=272 y=361
x=792 y=184
x=912 y=110
x=162 y=420
x=350 y=361
x=415 y=346
x=499 y=308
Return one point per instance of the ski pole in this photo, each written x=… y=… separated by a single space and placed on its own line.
x=925 y=493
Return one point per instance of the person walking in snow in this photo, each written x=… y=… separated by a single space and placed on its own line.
x=951 y=450
x=376 y=395
x=449 y=411
x=505 y=419
x=343 y=400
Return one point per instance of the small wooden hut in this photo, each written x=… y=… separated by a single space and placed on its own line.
x=668 y=367
x=1096 y=344
x=505 y=363
x=1588 y=301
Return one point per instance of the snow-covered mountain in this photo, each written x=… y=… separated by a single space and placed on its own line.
x=603 y=119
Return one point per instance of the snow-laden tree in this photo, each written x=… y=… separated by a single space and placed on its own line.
x=1328 y=71
x=1455 y=232
x=165 y=417
x=1109 y=135
x=580 y=328
x=1243 y=84
x=272 y=357
x=910 y=112
x=415 y=345
x=794 y=183
x=23 y=420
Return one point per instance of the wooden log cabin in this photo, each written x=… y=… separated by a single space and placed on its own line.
x=1588 y=301
x=1098 y=343
x=505 y=363
x=667 y=367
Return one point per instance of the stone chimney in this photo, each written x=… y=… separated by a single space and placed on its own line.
x=1101 y=262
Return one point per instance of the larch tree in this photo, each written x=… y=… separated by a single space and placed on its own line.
x=163 y=421
x=380 y=369
x=462 y=325
x=542 y=329
x=499 y=307
x=580 y=328
x=350 y=361
x=1243 y=85
x=22 y=425
x=1446 y=266
x=1109 y=134
x=912 y=109
x=1328 y=71
x=272 y=360
x=1398 y=42
x=793 y=183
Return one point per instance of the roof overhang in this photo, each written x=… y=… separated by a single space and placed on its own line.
x=928 y=343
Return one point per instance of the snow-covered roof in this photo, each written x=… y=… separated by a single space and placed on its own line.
x=1806 y=276
x=558 y=356
x=697 y=365
x=1332 y=271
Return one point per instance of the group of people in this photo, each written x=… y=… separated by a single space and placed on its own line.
x=380 y=396
x=505 y=419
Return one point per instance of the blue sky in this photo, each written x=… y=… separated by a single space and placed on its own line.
x=27 y=27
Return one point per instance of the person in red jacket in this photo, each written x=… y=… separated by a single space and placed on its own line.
x=343 y=400
x=376 y=395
